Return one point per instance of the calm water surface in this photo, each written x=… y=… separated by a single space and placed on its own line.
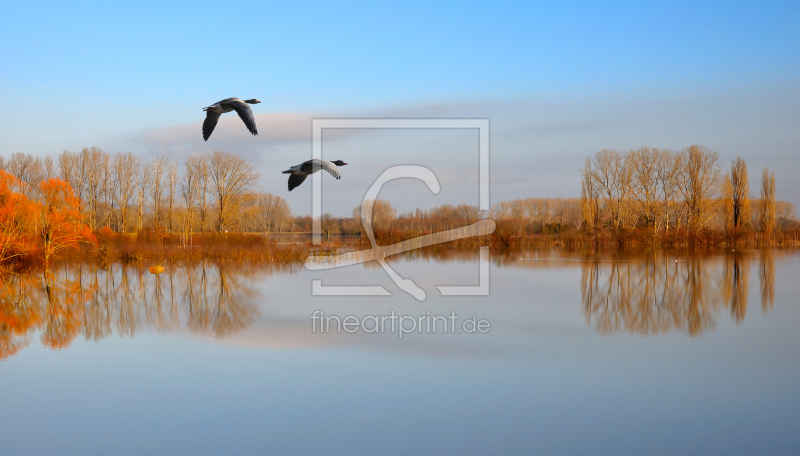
x=646 y=354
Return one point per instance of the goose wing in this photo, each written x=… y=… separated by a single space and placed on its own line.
x=295 y=180
x=244 y=111
x=331 y=168
x=208 y=125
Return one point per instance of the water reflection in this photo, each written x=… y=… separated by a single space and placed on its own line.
x=95 y=302
x=659 y=293
x=766 y=269
x=647 y=294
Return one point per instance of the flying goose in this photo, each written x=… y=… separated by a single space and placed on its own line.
x=227 y=105
x=301 y=171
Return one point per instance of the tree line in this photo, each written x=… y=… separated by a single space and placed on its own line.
x=49 y=204
x=686 y=192
x=126 y=193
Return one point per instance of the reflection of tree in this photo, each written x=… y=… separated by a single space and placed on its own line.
x=126 y=305
x=196 y=298
x=735 y=282
x=20 y=312
x=64 y=308
x=645 y=296
x=231 y=314
x=766 y=269
x=80 y=299
x=658 y=294
x=96 y=315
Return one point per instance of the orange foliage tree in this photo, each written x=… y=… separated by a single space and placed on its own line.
x=60 y=221
x=17 y=219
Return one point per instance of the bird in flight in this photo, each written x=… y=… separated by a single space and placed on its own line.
x=303 y=170
x=227 y=105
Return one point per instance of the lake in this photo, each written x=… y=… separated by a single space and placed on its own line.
x=570 y=353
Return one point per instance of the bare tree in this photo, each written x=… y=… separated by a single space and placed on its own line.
x=73 y=169
x=205 y=188
x=231 y=179
x=611 y=178
x=736 y=196
x=667 y=178
x=141 y=193
x=126 y=170
x=49 y=168
x=590 y=207
x=191 y=186
x=698 y=182
x=172 y=181
x=767 y=202
x=107 y=184
x=28 y=170
x=273 y=212
x=156 y=185
x=93 y=160
x=644 y=164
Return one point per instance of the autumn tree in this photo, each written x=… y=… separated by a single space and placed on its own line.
x=60 y=223
x=17 y=219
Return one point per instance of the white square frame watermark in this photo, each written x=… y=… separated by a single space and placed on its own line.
x=482 y=227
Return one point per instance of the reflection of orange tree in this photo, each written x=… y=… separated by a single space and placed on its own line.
x=64 y=311
x=75 y=299
x=60 y=224
x=20 y=312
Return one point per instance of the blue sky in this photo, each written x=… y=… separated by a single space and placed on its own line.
x=559 y=80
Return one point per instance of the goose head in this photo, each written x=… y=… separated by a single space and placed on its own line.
x=252 y=101
x=339 y=163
